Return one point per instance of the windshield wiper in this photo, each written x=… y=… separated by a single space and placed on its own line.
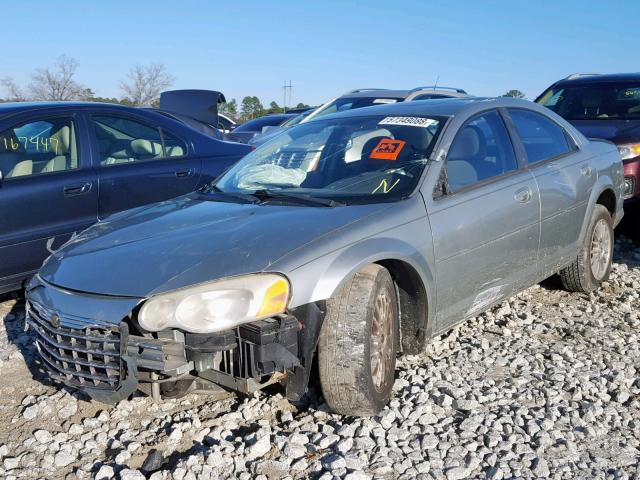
x=245 y=197
x=265 y=195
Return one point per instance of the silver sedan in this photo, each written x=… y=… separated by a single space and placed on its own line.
x=349 y=239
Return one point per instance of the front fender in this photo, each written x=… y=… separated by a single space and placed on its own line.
x=323 y=277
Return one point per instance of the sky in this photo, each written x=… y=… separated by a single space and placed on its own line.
x=324 y=47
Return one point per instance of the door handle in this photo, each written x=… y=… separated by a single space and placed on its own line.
x=523 y=195
x=586 y=170
x=76 y=189
x=184 y=173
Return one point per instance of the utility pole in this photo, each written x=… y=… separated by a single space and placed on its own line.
x=286 y=87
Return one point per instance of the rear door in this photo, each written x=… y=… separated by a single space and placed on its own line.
x=139 y=162
x=565 y=177
x=48 y=192
x=486 y=225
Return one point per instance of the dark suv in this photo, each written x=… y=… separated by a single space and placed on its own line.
x=604 y=106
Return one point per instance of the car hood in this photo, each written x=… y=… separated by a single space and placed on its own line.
x=186 y=241
x=616 y=131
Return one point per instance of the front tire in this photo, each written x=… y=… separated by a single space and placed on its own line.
x=593 y=264
x=357 y=345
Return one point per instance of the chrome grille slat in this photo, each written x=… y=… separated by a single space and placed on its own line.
x=109 y=350
x=70 y=374
x=77 y=336
x=81 y=357
x=79 y=363
x=68 y=346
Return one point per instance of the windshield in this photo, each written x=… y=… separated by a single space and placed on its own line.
x=297 y=119
x=596 y=101
x=355 y=159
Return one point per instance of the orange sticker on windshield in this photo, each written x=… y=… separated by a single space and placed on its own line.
x=387 y=149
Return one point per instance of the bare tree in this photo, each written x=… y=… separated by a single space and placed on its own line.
x=56 y=82
x=16 y=94
x=145 y=83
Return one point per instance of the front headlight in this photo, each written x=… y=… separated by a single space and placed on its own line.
x=216 y=306
x=630 y=150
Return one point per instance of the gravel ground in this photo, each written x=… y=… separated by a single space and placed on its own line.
x=545 y=385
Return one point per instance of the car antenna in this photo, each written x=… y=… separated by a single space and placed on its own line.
x=436 y=84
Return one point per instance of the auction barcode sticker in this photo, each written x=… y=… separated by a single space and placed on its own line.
x=408 y=121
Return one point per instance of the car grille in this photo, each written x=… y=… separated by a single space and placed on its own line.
x=87 y=357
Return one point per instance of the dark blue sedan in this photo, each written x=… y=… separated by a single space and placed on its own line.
x=65 y=166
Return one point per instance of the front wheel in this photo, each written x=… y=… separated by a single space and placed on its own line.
x=593 y=264
x=357 y=345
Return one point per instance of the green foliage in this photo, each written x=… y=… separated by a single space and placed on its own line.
x=230 y=109
x=302 y=105
x=514 y=94
x=251 y=108
x=275 y=108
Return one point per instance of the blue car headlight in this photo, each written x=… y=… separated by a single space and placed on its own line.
x=219 y=305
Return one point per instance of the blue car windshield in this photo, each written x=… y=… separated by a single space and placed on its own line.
x=364 y=158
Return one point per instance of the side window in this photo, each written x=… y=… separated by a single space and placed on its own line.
x=174 y=146
x=38 y=147
x=542 y=138
x=122 y=140
x=480 y=150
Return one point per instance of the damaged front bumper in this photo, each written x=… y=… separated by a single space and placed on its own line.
x=106 y=362
x=90 y=343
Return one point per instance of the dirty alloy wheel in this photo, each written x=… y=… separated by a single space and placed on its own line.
x=593 y=263
x=357 y=345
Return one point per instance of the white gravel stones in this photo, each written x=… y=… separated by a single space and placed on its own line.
x=66 y=456
x=258 y=449
x=546 y=385
x=128 y=474
x=105 y=473
x=31 y=412
x=11 y=462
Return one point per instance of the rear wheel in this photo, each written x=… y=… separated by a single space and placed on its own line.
x=357 y=345
x=593 y=264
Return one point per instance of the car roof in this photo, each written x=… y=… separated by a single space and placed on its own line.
x=401 y=93
x=445 y=107
x=376 y=92
x=588 y=78
x=19 y=107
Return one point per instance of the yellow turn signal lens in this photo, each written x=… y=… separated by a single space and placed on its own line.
x=275 y=298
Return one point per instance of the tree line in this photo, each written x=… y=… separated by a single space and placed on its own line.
x=251 y=107
x=141 y=86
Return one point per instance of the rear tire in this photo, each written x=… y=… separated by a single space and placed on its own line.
x=357 y=345
x=593 y=264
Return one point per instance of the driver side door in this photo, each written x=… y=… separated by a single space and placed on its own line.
x=49 y=190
